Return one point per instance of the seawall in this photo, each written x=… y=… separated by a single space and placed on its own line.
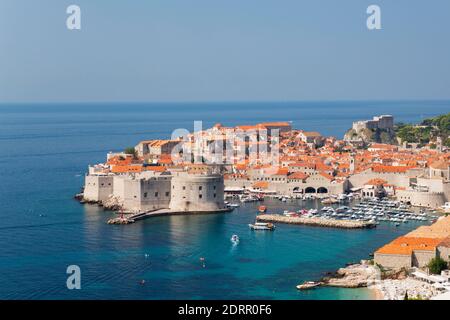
x=329 y=223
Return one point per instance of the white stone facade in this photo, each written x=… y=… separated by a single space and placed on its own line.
x=381 y=122
x=197 y=193
x=148 y=191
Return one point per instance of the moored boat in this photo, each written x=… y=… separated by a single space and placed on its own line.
x=308 y=285
x=329 y=201
x=262 y=226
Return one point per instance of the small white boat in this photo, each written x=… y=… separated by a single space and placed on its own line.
x=262 y=226
x=341 y=197
x=234 y=239
x=308 y=285
x=234 y=205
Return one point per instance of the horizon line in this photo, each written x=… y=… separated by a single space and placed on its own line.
x=214 y=101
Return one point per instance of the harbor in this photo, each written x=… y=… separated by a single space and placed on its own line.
x=340 y=211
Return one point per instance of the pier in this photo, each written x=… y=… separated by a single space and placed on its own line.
x=317 y=222
x=131 y=218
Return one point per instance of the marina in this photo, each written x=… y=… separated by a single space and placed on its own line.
x=340 y=211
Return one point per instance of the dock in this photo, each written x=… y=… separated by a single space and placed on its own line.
x=317 y=222
x=132 y=218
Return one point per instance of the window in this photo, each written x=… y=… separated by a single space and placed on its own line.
x=167 y=193
x=184 y=188
x=145 y=194
x=214 y=195
x=200 y=196
x=214 y=187
x=200 y=188
x=156 y=194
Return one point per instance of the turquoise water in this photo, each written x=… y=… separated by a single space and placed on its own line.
x=45 y=150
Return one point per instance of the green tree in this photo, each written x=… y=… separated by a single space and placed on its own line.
x=131 y=150
x=436 y=265
x=447 y=142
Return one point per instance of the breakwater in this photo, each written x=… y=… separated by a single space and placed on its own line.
x=318 y=222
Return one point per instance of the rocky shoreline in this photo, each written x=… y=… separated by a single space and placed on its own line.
x=354 y=276
x=386 y=285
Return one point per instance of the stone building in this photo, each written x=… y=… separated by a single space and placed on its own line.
x=148 y=191
x=155 y=147
x=418 y=247
x=385 y=122
x=191 y=192
x=98 y=188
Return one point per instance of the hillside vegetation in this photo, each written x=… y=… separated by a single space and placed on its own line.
x=427 y=131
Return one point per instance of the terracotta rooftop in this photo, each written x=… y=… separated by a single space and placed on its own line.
x=275 y=124
x=445 y=243
x=440 y=165
x=311 y=134
x=406 y=245
x=261 y=184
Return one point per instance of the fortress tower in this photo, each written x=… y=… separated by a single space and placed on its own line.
x=197 y=192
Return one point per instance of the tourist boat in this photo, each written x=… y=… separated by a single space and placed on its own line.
x=234 y=205
x=329 y=201
x=342 y=197
x=308 y=285
x=234 y=239
x=262 y=209
x=262 y=226
x=291 y=214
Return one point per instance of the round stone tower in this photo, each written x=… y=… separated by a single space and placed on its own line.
x=197 y=192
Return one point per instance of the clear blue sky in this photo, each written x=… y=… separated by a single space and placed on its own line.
x=220 y=50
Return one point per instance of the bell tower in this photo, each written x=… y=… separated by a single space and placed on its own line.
x=352 y=163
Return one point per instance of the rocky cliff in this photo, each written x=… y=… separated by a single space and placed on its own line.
x=371 y=135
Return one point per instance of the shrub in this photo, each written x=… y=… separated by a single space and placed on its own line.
x=436 y=265
x=130 y=150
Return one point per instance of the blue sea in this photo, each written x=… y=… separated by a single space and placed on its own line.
x=45 y=151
